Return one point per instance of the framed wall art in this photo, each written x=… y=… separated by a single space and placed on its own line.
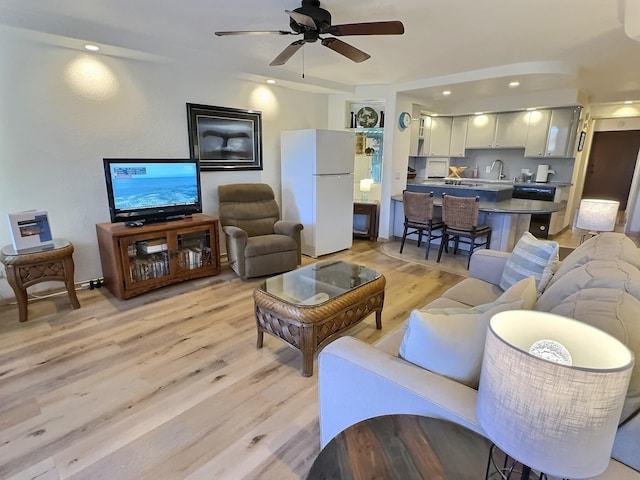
x=225 y=138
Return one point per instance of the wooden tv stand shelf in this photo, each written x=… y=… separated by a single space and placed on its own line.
x=138 y=259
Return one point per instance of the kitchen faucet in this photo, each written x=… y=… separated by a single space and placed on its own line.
x=500 y=174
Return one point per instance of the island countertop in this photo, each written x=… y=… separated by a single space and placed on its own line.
x=512 y=205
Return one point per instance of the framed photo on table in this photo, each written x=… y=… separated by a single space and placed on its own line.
x=225 y=138
x=30 y=230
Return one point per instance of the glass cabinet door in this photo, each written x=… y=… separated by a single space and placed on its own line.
x=147 y=259
x=193 y=250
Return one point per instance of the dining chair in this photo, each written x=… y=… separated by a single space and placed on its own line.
x=460 y=217
x=419 y=218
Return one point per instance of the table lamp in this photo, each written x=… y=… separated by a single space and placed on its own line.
x=597 y=215
x=365 y=188
x=551 y=392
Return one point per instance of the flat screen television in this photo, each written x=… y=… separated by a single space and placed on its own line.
x=152 y=190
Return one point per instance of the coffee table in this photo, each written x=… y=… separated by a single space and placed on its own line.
x=403 y=447
x=311 y=306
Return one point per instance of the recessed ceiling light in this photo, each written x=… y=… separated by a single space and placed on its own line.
x=531 y=109
x=271 y=81
x=447 y=92
x=479 y=113
x=628 y=102
x=514 y=84
x=435 y=114
x=91 y=48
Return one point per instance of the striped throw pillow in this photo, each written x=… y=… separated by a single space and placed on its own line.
x=530 y=257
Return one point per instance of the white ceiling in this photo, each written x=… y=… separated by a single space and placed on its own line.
x=471 y=47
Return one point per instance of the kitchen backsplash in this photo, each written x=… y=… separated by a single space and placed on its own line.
x=514 y=162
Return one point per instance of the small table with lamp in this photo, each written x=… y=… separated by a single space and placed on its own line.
x=42 y=264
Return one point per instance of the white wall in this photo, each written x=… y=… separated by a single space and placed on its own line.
x=63 y=110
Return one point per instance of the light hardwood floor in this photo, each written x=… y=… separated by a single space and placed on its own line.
x=170 y=385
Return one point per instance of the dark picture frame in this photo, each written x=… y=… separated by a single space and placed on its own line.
x=583 y=135
x=223 y=138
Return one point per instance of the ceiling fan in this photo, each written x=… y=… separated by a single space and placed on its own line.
x=311 y=22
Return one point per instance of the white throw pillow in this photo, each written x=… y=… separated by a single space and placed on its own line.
x=450 y=345
x=530 y=256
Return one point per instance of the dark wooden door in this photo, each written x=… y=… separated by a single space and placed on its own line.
x=611 y=164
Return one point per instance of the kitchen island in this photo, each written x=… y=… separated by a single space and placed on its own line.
x=509 y=218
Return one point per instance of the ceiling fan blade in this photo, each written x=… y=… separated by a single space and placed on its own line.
x=394 y=27
x=302 y=19
x=349 y=51
x=287 y=53
x=254 y=32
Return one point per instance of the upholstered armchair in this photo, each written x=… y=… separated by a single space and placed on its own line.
x=258 y=242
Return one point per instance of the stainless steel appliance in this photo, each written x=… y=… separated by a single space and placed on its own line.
x=540 y=222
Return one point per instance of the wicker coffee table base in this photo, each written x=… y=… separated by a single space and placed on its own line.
x=307 y=328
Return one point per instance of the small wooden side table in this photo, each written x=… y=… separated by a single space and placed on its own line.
x=49 y=263
x=365 y=220
x=403 y=447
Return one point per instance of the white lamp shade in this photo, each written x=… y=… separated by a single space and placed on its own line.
x=597 y=215
x=557 y=419
x=365 y=184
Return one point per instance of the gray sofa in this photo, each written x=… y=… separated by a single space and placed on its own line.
x=599 y=283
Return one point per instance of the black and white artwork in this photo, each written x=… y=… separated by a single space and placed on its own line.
x=225 y=138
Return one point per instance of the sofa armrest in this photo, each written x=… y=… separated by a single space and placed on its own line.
x=488 y=265
x=290 y=229
x=235 y=233
x=357 y=381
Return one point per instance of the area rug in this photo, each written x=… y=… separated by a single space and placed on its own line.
x=411 y=253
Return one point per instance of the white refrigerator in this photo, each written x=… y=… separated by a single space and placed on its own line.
x=317 y=187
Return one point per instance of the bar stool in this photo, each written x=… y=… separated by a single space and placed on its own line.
x=418 y=215
x=460 y=217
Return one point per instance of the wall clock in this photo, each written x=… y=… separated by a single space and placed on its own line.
x=404 y=120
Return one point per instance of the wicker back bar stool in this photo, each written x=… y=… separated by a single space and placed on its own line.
x=419 y=218
x=460 y=217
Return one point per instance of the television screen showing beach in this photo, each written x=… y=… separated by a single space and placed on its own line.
x=153 y=185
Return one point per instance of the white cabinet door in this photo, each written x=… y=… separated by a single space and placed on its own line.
x=538 y=131
x=562 y=132
x=559 y=220
x=552 y=133
x=440 y=136
x=481 y=131
x=458 y=136
x=511 y=130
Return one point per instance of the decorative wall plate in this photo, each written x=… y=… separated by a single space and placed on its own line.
x=404 y=120
x=367 y=117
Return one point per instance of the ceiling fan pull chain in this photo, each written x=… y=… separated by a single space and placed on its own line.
x=303 y=61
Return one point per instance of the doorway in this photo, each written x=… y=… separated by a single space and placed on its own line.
x=611 y=165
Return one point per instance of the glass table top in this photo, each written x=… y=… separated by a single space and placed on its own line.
x=317 y=283
x=10 y=251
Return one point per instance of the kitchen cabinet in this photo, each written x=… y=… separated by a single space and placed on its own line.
x=559 y=220
x=552 y=133
x=511 y=130
x=481 y=130
x=136 y=260
x=458 y=142
x=416 y=147
x=437 y=136
x=498 y=130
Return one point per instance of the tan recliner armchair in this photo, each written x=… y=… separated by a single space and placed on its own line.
x=258 y=242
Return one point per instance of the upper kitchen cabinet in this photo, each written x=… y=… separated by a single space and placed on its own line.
x=458 y=137
x=437 y=136
x=552 y=133
x=498 y=130
x=511 y=129
x=481 y=131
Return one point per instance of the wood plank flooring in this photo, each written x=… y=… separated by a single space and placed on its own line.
x=170 y=385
